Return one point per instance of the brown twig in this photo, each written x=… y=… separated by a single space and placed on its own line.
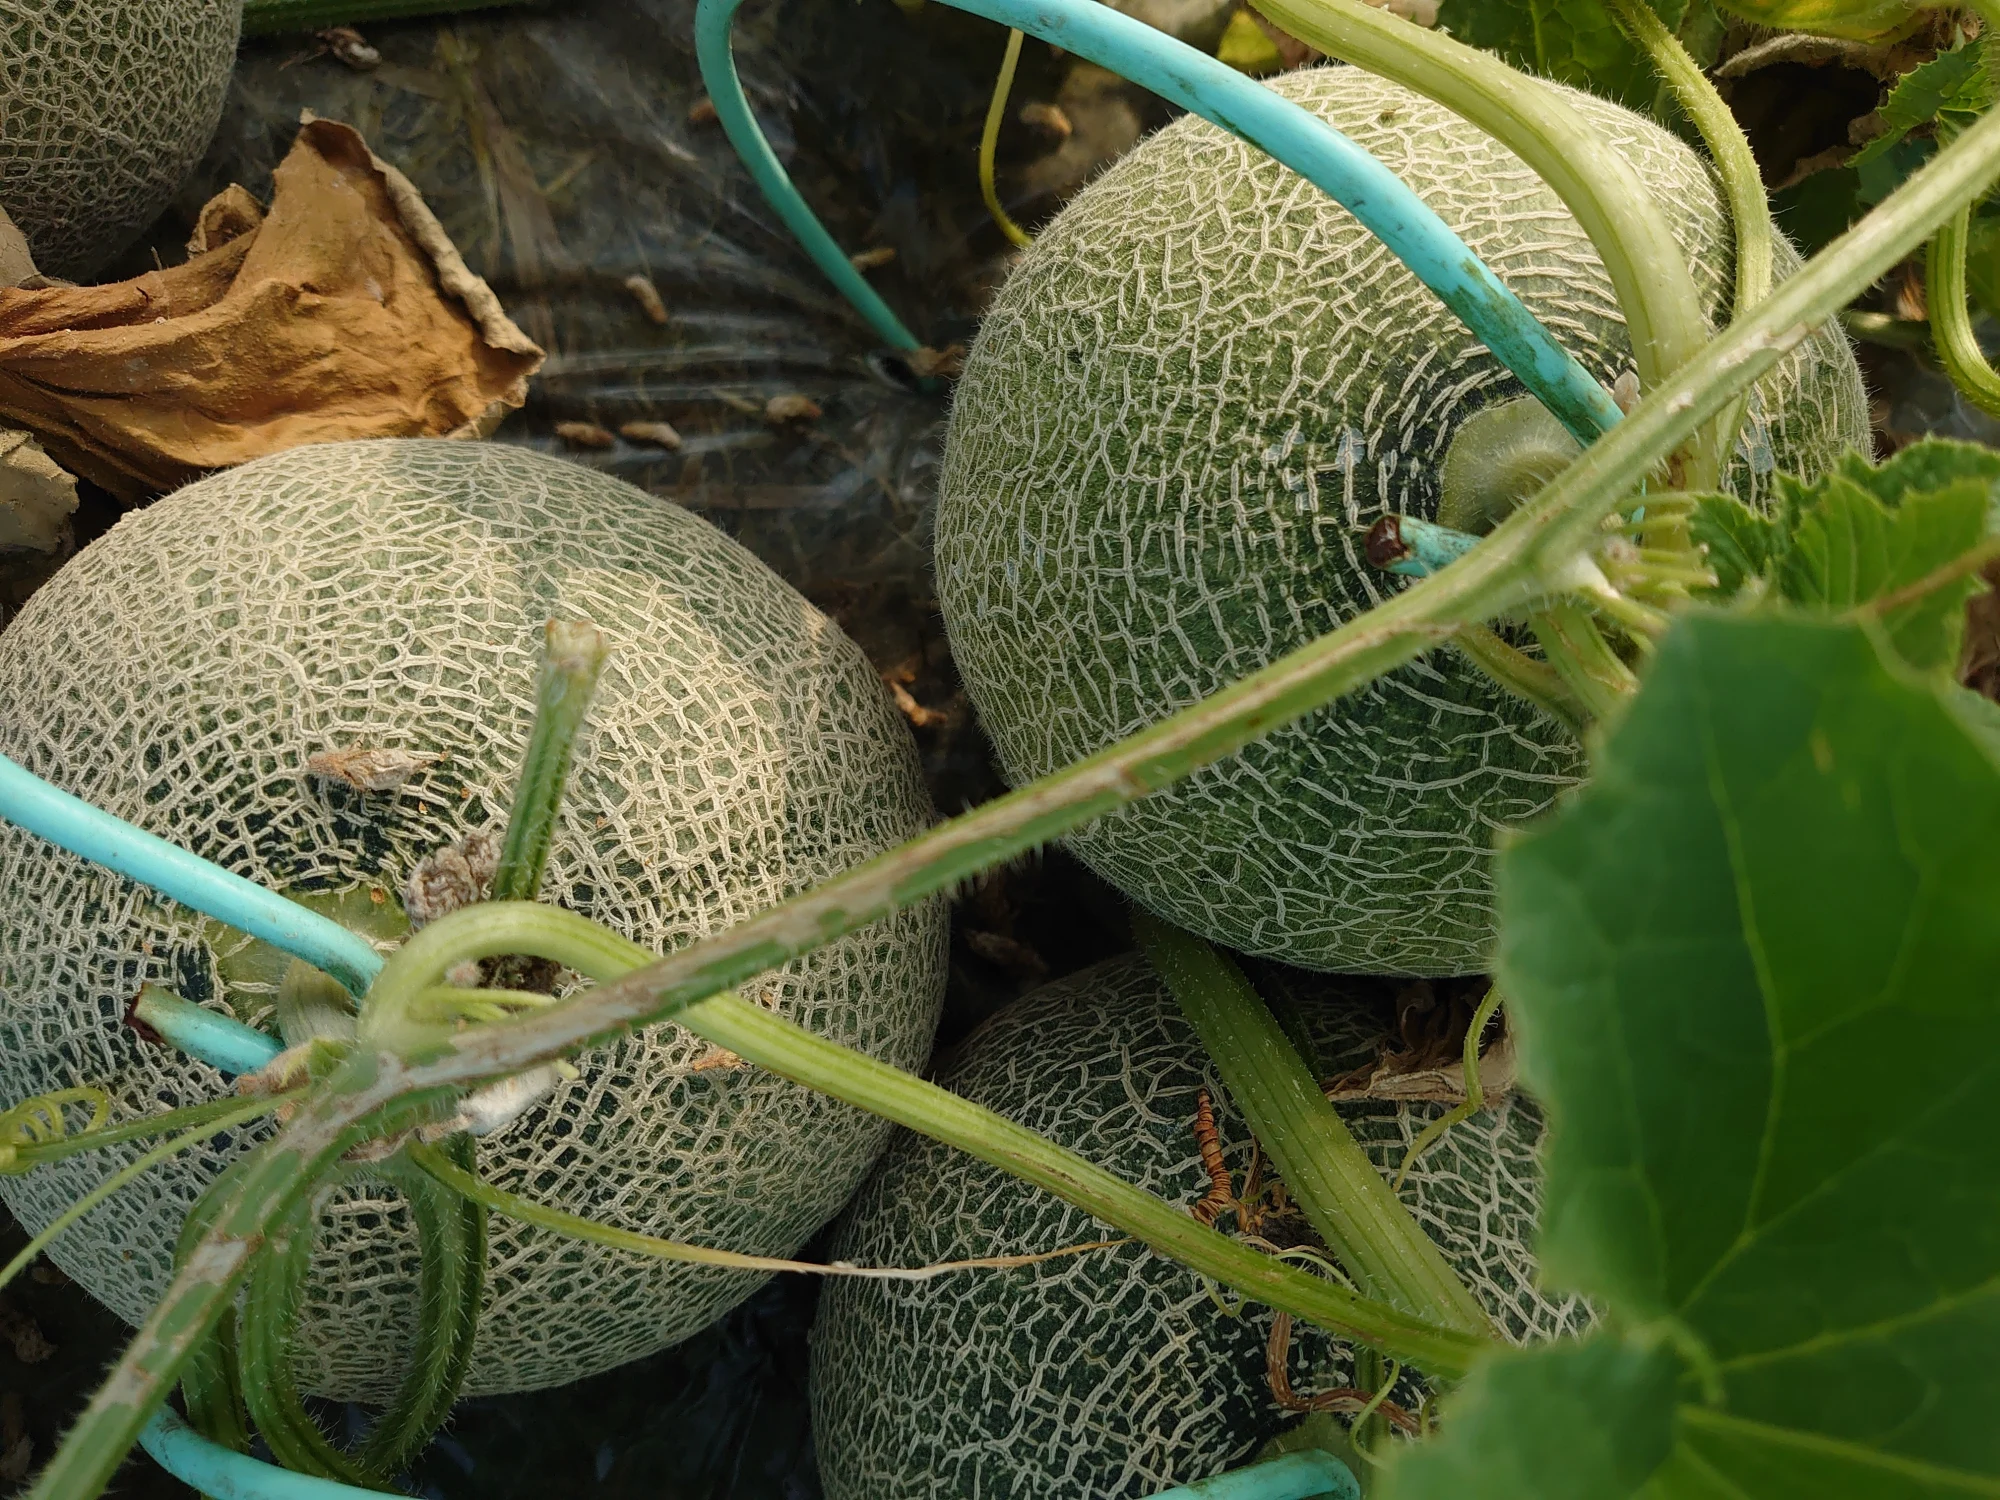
x=1345 y=1400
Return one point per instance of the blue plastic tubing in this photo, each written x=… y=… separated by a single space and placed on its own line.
x=73 y=824
x=222 y=1475
x=223 y=1042
x=1293 y=1477
x=1217 y=92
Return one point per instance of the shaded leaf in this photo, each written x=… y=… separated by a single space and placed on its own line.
x=1755 y=972
x=1951 y=87
x=1573 y=1421
x=1742 y=544
x=1863 y=532
x=1573 y=41
x=1849 y=548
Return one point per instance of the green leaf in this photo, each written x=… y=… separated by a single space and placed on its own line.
x=1952 y=87
x=1849 y=548
x=1742 y=544
x=1573 y=41
x=1863 y=532
x=1578 y=1420
x=1932 y=464
x=1755 y=971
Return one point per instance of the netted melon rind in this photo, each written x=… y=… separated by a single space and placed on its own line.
x=1116 y=1373
x=105 y=106
x=1200 y=387
x=179 y=671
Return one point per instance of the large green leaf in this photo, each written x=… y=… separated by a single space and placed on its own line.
x=1755 y=969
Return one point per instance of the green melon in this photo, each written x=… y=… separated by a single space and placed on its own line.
x=1201 y=385
x=105 y=105
x=179 y=672
x=1115 y=1373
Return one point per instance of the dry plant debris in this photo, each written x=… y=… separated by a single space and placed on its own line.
x=343 y=312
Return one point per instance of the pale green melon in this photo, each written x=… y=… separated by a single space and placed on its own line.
x=180 y=671
x=1202 y=384
x=1116 y=1373
x=105 y=105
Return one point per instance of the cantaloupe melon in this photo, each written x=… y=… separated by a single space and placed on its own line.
x=180 y=671
x=1202 y=384
x=1115 y=1373
x=105 y=105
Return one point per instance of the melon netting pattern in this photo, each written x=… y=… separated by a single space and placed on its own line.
x=1114 y=1373
x=1203 y=384
x=105 y=106
x=178 y=673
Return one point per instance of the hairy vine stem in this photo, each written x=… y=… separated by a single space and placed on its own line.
x=1356 y=1213
x=1647 y=266
x=989 y=144
x=1951 y=315
x=1729 y=149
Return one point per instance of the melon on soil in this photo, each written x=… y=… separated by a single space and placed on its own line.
x=391 y=594
x=1115 y=1373
x=105 y=106
x=1202 y=384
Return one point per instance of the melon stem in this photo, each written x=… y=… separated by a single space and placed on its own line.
x=1648 y=268
x=1742 y=182
x=573 y=655
x=784 y=1048
x=1356 y=1213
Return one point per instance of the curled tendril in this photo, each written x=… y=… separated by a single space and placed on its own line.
x=42 y=1120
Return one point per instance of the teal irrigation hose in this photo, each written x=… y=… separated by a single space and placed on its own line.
x=223 y=1042
x=73 y=824
x=1296 y=1476
x=1217 y=92
x=222 y=1475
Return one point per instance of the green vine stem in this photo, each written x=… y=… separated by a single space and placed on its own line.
x=264 y=1353
x=26 y=1157
x=367 y=1096
x=211 y=1393
x=372 y=1093
x=788 y=1050
x=451 y=1244
x=1648 y=268
x=1522 y=675
x=1729 y=149
x=239 y=1112
x=573 y=656
x=462 y=1180
x=989 y=144
x=1358 y=1217
x=1475 y=1092
x=1951 y=315
x=273 y=17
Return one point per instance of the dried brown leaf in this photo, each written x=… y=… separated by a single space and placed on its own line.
x=345 y=313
